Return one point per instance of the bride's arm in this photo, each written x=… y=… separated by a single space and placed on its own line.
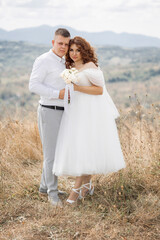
x=95 y=77
x=94 y=90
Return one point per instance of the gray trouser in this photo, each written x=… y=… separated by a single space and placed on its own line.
x=48 y=124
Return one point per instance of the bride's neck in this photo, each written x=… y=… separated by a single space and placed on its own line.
x=78 y=65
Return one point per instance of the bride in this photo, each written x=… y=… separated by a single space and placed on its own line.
x=88 y=141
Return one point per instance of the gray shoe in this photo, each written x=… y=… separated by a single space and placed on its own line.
x=61 y=192
x=55 y=201
x=44 y=191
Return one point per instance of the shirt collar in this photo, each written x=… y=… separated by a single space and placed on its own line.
x=57 y=57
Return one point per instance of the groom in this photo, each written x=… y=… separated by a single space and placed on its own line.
x=45 y=81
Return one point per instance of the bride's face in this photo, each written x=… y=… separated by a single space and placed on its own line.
x=74 y=53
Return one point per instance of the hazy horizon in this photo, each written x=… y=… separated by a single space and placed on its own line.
x=77 y=30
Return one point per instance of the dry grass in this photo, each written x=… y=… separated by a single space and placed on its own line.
x=125 y=206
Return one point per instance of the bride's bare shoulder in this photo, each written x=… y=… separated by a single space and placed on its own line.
x=90 y=65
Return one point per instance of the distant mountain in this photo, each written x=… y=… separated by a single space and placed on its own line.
x=43 y=35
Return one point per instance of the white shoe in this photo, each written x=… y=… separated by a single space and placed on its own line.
x=90 y=188
x=55 y=201
x=78 y=191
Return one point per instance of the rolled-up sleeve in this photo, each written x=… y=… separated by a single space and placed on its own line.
x=36 y=82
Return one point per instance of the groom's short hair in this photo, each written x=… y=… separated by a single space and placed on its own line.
x=62 y=32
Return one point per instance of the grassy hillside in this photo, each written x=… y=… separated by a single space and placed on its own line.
x=125 y=205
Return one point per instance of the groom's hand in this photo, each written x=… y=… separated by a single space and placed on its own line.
x=61 y=93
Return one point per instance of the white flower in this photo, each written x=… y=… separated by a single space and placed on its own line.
x=70 y=75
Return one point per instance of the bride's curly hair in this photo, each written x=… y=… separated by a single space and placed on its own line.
x=87 y=52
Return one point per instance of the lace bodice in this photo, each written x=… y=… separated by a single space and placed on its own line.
x=90 y=76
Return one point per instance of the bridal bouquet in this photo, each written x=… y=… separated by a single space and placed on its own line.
x=70 y=75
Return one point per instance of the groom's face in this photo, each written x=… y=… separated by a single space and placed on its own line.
x=60 y=45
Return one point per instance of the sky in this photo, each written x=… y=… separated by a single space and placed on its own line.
x=132 y=16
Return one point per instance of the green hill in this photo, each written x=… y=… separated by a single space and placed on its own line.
x=122 y=66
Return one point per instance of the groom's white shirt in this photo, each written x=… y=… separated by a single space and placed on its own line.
x=45 y=78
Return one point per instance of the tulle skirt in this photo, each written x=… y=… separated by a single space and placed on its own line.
x=88 y=141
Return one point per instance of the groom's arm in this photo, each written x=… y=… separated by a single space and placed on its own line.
x=93 y=90
x=37 y=85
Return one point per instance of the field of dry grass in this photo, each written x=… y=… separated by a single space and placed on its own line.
x=125 y=205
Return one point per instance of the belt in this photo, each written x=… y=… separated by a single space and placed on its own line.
x=53 y=107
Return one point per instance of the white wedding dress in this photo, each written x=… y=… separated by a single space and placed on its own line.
x=88 y=141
